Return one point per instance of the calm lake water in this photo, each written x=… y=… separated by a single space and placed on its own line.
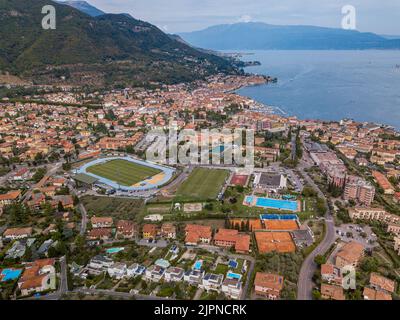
x=331 y=85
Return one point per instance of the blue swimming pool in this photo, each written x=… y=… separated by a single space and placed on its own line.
x=114 y=250
x=198 y=264
x=277 y=204
x=10 y=274
x=232 y=275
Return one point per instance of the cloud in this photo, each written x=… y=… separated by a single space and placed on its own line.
x=245 y=18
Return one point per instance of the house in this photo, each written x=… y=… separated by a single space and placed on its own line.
x=99 y=263
x=231 y=238
x=117 y=270
x=22 y=174
x=372 y=294
x=232 y=288
x=174 y=274
x=66 y=201
x=135 y=270
x=383 y=182
x=17 y=233
x=38 y=276
x=154 y=273
x=332 y=292
x=350 y=254
x=100 y=234
x=101 y=222
x=197 y=233
x=193 y=277
x=381 y=283
x=212 y=282
x=268 y=285
x=126 y=229
x=331 y=273
x=168 y=230
x=149 y=231
x=10 y=197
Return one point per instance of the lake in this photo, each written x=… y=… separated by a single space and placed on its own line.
x=330 y=85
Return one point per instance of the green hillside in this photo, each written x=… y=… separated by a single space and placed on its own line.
x=106 y=49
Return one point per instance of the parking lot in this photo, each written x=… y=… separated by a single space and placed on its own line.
x=354 y=232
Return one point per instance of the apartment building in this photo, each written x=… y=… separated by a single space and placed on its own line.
x=359 y=190
x=350 y=254
x=232 y=288
x=197 y=233
x=232 y=238
x=332 y=292
x=101 y=222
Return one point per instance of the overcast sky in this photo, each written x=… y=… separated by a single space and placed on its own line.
x=379 y=16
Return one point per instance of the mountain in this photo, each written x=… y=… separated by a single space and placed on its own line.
x=83 y=6
x=109 y=49
x=261 y=36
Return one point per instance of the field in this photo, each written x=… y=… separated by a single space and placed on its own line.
x=118 y=207
x=123 y=172
x=202 y=184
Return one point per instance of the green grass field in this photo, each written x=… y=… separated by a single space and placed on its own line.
x=202 y=184
x=123 y=172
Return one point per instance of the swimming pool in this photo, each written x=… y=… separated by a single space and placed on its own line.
x=232 y=275
x=198 y=264
x=10 y=274
x=277 y=204
x=114 y=250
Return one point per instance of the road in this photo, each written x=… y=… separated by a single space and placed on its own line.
x=308 y=268
x=83 y=212
x=48 y=174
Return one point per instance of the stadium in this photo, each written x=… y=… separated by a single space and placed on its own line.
x=127 y=174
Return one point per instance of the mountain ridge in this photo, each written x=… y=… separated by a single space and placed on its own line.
x=263 y=36
x=109 y=47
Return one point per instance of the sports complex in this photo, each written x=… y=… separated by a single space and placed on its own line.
x=127 y=174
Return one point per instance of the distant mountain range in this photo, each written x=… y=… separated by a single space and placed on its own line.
x=261 y=36
x=83 y=6
x=108 y=49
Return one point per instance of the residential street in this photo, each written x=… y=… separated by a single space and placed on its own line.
x=308 y=268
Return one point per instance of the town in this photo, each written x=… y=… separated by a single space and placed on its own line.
x=84 y=214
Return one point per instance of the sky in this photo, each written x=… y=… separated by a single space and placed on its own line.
x=173 y=16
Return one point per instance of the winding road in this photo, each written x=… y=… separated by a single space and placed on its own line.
x=308 y=268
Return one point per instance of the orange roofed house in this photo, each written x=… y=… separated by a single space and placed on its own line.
x=17 y=233
x=9 y=197
x=268 y=285
x=350 y=254
x=101 y=222
x=38 y=276
x=274 y=241
x=383 y=182
x=232 y=238
x=196 y=233
x=332 y=292
x=382 y=288
x=150 y=231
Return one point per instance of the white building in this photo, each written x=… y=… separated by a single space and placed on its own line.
x=232 y=288
x=174 y=274
x=117 y=270
x=212 y=282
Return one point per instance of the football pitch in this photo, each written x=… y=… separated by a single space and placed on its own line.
x=123 y=172
x=202 y=184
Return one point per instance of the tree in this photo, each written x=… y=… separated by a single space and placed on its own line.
x=319 y=259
